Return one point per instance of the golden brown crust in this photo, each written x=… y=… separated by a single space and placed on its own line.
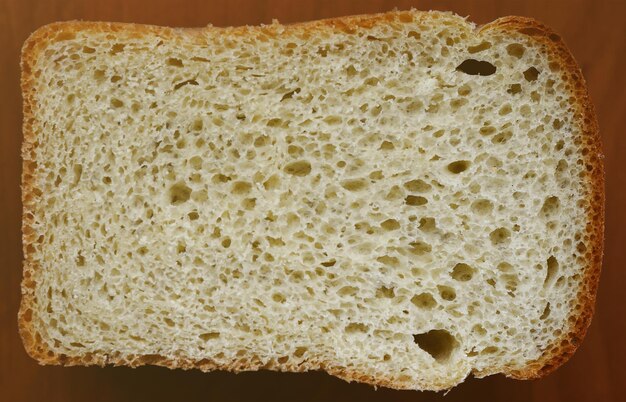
x=590 y=148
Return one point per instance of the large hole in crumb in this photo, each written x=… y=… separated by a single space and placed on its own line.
x=354 y=184
x=419 y=186
x=462 y=272
x=424 y=301
x=241 y=187
x=438 y=343
x=446 y=292
x=356 y=327
x=390 y=224
x=348 y=291
x=117 y=48
x=299 y=168
x=515 y=50
x=183 y=83
x=502 y=137
x=427 y=224
x=531 y=74
x=272 y=183
x=500 y=236
x=172 y=61
x=551 y=271
x=388 y=260
x=482 y=207
x=419 y=248
x=546 y=312
x=415 y=200
x=385 y=292
x=386 y=146
x=550 y=206
x=116 y=103
x=514 y=89
x=179 y=193
x=458 y=167
x=209 y=335
x=479 y=48
x=476 y=67
x=394 y=193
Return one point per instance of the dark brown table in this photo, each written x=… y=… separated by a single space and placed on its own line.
x=594 y=30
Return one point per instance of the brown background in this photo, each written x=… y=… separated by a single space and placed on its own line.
x=596 y=34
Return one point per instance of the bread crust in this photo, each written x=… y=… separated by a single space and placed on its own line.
x=590 y=148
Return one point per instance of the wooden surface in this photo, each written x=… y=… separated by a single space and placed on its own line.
x=596 y=34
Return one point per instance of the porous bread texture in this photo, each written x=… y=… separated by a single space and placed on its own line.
x=399 y=199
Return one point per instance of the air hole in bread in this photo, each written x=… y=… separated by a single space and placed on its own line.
x=348 y=291
x=484 y=45
x=427 y=224
x=502 y=137
x=424 y=301
x=248 y=204
x=415 y=200
x=385 y=292
x=418 y=186
x=117 y=48
x=300 y=351
x=458 y=166
x=354 y=185
x=438 y=343
x=462 y=272
x=279 y=298
x=80 y=260
x=516 y=50
x=489 y=350
x=116 y=103
x=241 y=187
x=500 y=236
x=414 y=34
x=464 y=90
x=457 y=103
x=78 y=172
x=172 y=61
x=298 y=168
x=386 y=146
x=99 y=75
x=179 y=193
x=295 y=151
x=390 y=224
x=419 y=248
x=552 y=269
x=447 y=293
x=546 y=312
x=207 y=336
x=186 y=82
x=476 y=67
x=290 y=94
x=487 y=130
x=505 y=109
x=531 y=74
x=514 y=89
x=550 y=206
x=196 y=162
x=389 y=260
x=356 y=328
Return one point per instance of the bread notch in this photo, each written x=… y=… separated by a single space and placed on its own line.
x=400 y=199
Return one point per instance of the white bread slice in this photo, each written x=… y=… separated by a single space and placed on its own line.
x=400 y=199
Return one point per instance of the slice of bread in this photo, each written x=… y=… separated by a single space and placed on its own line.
x=401 y=199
